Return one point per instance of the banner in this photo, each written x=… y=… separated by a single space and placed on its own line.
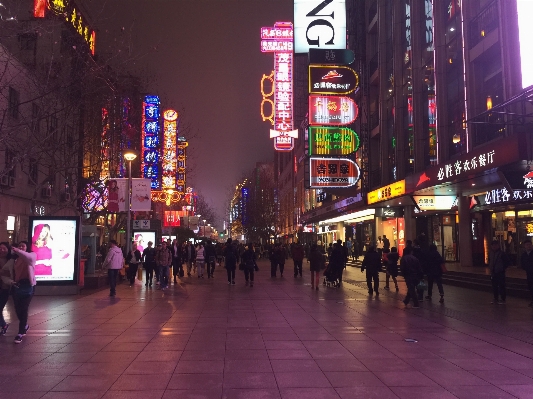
x=117 y=195
x=141 y=195
x=193 y=223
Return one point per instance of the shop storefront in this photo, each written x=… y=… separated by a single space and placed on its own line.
x=391 y=224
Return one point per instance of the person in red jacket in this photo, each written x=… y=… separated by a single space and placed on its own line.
x=298 y=254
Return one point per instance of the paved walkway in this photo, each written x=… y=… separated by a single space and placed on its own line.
x=279 y=339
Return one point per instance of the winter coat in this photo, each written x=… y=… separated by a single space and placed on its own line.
x=526 y=262
x=316 y=260
x=230 y=258
x=164 y=257
x=498 y=262
x=392 y=263
x=411 y=269
x=149 y=255
x=435 y=261
x=114 y=259
x=298 y=253
x=248 y=259
x=371 y=262
x=200 y=254
x=131 y=261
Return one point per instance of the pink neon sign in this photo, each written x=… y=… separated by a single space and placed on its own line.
x=279 y=40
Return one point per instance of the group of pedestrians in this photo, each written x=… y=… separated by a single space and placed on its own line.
x=17 y=272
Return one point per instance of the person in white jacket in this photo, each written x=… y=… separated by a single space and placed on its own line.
x=113 y=262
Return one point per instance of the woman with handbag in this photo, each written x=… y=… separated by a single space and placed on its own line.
x=6 y=264
x=249 y=265
x=21 y=278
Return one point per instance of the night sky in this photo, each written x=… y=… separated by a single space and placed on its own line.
x=203 y=58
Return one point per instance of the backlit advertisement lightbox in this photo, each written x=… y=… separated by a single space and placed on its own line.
x=141 y=238
x=333 y=172
x=319 y=24
x=331 y=79
x=332 y=141
x=525 y=34
x=332 y=110
x=55 y=241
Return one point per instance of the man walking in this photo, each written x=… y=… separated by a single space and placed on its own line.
x=298 y=257
x=526 y=262
x=412 y=272
x=372 y=264
x=191 y=255
x=164 y=258
x=113 y=262
x=175 y=249
x=148 y=258
x=498 y=262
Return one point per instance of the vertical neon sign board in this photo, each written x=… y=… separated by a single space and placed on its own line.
x=150 y=140
x=182 y=156
x=279 y=40
x=169 y=162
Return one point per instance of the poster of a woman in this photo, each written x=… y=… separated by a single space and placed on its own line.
x=112 y=196
x=40 y=244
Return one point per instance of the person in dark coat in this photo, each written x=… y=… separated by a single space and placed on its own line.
x=210 y=258
x=133 y=259
x=316 y=263
x=434 y=271
x=412 y=272
x=337 y=260
x=498 y=263
x=392 y=268
x=298 y=254
x=281 y=255
x=421 y=253
x=230 y=261
x=273 y=257
x=526 y=262
x=250 y=266
x=372 y=264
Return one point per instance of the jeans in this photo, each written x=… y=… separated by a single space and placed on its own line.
x=297 y=267
x=132 y=271
x=149 y=267
x=189 y=267
x=200 y=268
x=231 y=275
x=163 y=279
x=4 y=296
x=249 y=274
x=210 y=268
x=281 y=268
x=437 y=279
x=157 y=271
x=411 y=292
x=273 y=269
x=498 y=285
x=372 y=276
x=112 y=274
x=21 y=309
x=176 y=267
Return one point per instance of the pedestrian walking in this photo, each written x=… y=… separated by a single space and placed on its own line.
x=200 y=260
x=421 y=253
x=281 y=255
x=148 y=259
x=114 y=261
x=316 y=264
x=372 y=264
x=133 y=259
x=412 y=272
x=175 y=250
x=230 y=261
x=164 y=260
x=355 y=249
x=386 y=243
x=6 y=265
x=298 y=254
x=392 y=268
x=526 y=262
x=273 y=257
x=248 y=260
x=21 y=277
x=191 y=255
x=379 y=246
x=210 y=259
x=434 y=272
x=498 y=263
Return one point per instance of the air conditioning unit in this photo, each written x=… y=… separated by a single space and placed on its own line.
x=46 y=192
x=12 y=181
x=4 y=180
x=65 y=197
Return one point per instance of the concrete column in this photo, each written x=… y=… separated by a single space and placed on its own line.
x=465 y=232
x=410 y=222
x=340 y=231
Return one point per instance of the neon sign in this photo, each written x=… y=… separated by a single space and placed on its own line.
x=279 y=40
x=267 y=98
x=170 y=160
x=332 y=110
x=71 y=13
x=150 y=141
x=332 y=141
x=332 y=79
x=333 y=172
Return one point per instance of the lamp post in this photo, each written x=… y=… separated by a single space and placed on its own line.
x=129 y=155
x=204 y=225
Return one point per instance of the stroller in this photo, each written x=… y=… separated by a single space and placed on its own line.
x=332 y=275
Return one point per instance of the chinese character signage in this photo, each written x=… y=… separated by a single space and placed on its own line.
x=319 y=24
x=467 y=166
x=172 y=219
x=393 y=190
x=182 y=156
x=169 y=162
x=504 y=196
x=150 y=141
x=333 y=172
x=279 y=40
x=332 y=79
x=333 y=141
x=331 y=56
x=72 y=14
x=332 y=110
x=435 y=202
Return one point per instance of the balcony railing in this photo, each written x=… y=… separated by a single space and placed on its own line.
x=484 y=23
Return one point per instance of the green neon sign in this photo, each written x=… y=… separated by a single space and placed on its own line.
x=332 y=140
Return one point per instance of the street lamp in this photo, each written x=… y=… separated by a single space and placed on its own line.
x=129 y=155
x=204 y=225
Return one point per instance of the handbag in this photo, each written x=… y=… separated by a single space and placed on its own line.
x=22 y=289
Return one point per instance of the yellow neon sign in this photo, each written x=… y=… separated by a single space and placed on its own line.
x=393 y=190
x=266 y=98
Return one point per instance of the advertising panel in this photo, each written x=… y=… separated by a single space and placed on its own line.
x=142 y=239
x=435 y=202
x=393 y=190
x=325 y=56
x=334 y=141
x=333 y=172
x=55 y=242
x=141 y=195
x=169 y=163
x=332 y=110
x=332 y=79
x=525 y=34
x=150 y=140
x=319 y=24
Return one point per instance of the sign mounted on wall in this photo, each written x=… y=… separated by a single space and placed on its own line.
x=332 y=110
x=435 y=202
x=334 y=141
x=332 y=79
x=325 y=56
x=333 y=172
x=387 y=192
x=319 y=24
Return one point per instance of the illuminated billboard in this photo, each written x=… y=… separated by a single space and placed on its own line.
x=150 y=140
x=525 y=34
x=319 y=24
x=332 y=141
x=55 y=242
x=279 y=40
x=169 y=164
x=332 y=79
x=333 y=172
x=332 y=110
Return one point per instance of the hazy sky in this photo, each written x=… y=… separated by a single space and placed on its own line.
x=204 y=60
